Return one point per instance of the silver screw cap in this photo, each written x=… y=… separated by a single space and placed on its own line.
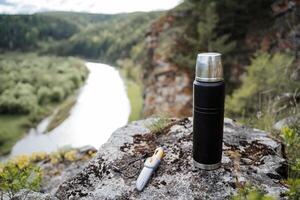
x=209 y=67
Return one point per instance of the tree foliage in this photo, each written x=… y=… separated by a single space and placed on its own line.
x=109 y=40
x=249 y=192
x=29 y=81
x=25 y=31
x=193 y=32
x=95 y=36
x=291 y=139
x=268 y=77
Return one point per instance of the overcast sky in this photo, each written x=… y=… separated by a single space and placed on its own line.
x=94 y=6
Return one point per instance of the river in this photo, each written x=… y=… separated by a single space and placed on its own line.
x=102 y=107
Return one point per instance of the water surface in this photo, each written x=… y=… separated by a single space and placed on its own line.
x=102 y=107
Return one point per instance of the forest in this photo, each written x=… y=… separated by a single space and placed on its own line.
x=31 y=86
x=92 y=36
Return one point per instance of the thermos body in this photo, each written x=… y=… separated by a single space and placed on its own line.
x=208 y=123
x=208 y=115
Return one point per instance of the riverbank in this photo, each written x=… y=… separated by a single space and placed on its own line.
x=14 y=127
x=131 y=74
x=101 y=107
x=31 y=88
x=135 y=96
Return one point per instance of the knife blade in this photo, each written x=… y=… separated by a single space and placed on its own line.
x=150 y=166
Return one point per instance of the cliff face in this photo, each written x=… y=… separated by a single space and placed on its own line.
x=253 y=26
x=249 y=156
x=167 y=88
x=168 y=91
x=286 y=32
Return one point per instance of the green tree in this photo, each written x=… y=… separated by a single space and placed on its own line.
x=196 y=33
x=268 y=76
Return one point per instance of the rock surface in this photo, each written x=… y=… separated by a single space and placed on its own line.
x=56 y=173
x=250 y=155
x=30 y=195
x=289 y=121
x=168 y=90
x=167 y=87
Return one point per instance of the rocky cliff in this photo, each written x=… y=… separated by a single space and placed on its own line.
x=250 y=156
x=270 y=26
x=167 y=87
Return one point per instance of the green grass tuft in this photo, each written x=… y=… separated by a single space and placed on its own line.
x=158 y=125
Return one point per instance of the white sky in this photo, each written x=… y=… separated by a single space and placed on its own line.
x=94 y=6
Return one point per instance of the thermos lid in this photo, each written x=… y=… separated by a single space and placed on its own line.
x=209 y=67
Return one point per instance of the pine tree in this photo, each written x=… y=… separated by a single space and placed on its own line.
x=197 y=33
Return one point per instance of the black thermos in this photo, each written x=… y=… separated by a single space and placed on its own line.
x=208 y=111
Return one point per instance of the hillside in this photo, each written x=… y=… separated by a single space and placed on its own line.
x=25 y=32
x=93 y=36
x=108 y=41
x=78 y=18
x=256 y=38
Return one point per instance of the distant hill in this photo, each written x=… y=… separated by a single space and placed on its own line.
x=95 y=36
x=105 y=37
x=78 y=17
x=23 y=32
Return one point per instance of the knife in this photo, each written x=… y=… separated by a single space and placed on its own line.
x=150 y=166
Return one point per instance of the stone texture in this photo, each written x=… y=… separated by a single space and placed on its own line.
x=250 y=155
x=55 y=174
x=30 y=195
x=289 y=121
x=168 y=88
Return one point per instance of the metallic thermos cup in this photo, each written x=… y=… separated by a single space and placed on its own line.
x=208 y=111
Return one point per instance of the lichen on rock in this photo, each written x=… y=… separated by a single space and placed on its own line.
x=249 y=155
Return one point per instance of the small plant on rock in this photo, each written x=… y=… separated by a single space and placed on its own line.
x=158 y=125
x=249 y=192
x=291 y=140
x=19 y=174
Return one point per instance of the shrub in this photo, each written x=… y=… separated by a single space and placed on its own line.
x=268 y=76
x=19 y=174
x=69 y=87
x=18 y=101
x=291 y=140
x=58 y=94
x=294 y=188
x=44 y=95
x=71 y=155
x=38 y=156
x=76 y=79
x=28 y=81
x=64 y=154
x=248 y=192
